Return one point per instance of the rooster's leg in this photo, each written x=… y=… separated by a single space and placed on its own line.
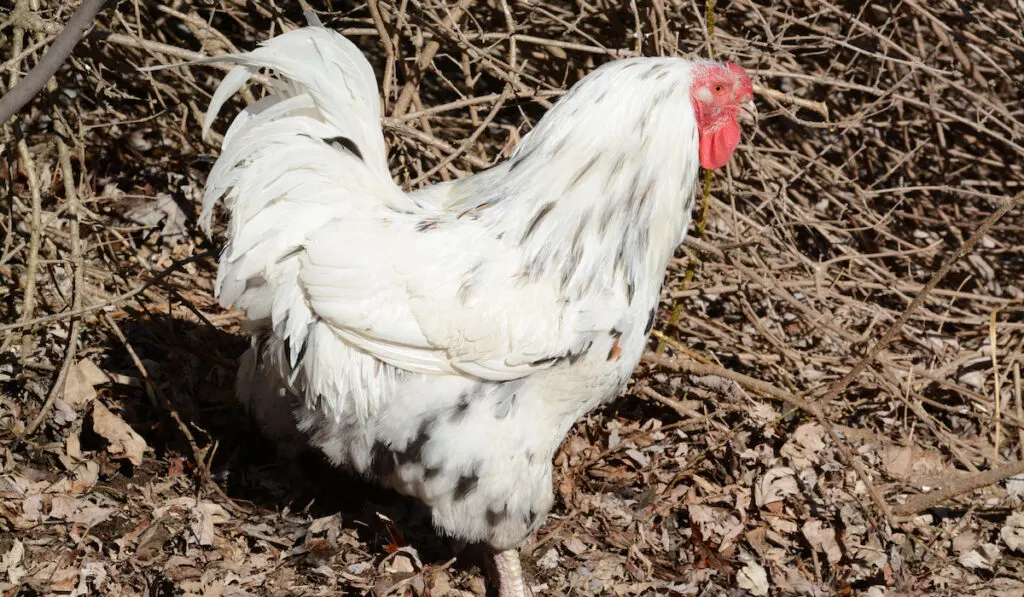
x=510 y=575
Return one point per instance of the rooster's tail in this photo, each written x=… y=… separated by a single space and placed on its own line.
x=311 y=153
x=321 y=78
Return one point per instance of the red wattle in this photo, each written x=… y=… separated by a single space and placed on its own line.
x=716 y=147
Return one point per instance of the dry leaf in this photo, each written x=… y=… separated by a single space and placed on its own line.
x=823 y=539
x=204 y=516
x=810 y=436
x=64 y=580
x=163 y=207
x=1015 y=486
x=984 y=557
x=548 y=561
x=574 y=545
x=91 y=578
x=804 y=447
x=124 y=442
x=753 y=578
x=63 y=414
x=10 y=563
x=78 y=511
x=757 y=539
x=440 y=584
x=86 y=471
x=776 y=484
x=1012 y=532
x=80 y=387
x=719 y=525
x=965 y=541
x=912 y=462
x=763 y=413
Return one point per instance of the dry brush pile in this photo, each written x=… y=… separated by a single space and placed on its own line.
x=831 y=404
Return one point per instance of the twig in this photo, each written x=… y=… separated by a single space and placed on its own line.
x=168 y=50
x=709 y=17
x=28 y=87
x=996 y=386
x=930 y=500
x=837 y=387
x=13 y=62
x=117 y=300
x=389 y=50
x=71 y=193
x=433 y=141
x=819 y=107
x=424 y=59
x=18 y=45
x=767 y=389
x=468 y=143
x=35 y=234
x=688 y=415
x=761 y=387
x=464 y=103
x=158 y=399
x=1019 y=405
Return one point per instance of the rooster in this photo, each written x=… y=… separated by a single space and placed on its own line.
x=443 y=341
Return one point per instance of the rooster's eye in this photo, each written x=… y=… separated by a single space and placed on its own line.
x=718 y=89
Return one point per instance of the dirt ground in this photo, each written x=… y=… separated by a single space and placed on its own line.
x=831 y=403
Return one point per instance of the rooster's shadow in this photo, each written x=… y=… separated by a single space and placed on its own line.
x=192 y=365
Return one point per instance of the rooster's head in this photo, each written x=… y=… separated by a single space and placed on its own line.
x=722 y=96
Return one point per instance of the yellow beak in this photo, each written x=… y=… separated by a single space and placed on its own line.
x=748 y=112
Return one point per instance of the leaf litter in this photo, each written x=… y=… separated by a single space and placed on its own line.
x=146 y=477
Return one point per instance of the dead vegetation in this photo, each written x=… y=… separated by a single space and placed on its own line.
x=832 y=403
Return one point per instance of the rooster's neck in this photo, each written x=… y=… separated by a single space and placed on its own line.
x=600 y=193
x=615 y=224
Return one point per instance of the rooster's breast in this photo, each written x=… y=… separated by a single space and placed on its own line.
x=479 y=453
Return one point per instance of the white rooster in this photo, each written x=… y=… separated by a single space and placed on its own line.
x=443 y=341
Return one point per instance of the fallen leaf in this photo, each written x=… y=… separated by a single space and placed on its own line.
x=180 y=568
x=574 y=545
x=753 y=578
x=763 y=413
x=10 y=563
x=124 y=442
x=823 y=539
x=78 y=511
x=1015 y=486
x=87 y=471
x=548 y=561
x=91 y=578
x=905 y=462
x=757 y=539
x=323 y=524
x=82 y=379
x=811 y=436
x=717 y=524
x=965 y=541
x=706 y=555
x=152 y=540
x=151 y=212
x=984 y=557
x=439 y=583
x=205 y=515
x=63 y=414
x=64 y=579
x=1012 y=532
x=776 y=484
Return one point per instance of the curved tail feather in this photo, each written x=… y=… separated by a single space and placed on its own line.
x=311 y=152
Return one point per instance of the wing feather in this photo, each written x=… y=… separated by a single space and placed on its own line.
x=328 y=256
